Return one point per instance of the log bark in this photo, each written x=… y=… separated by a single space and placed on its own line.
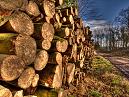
x=25 y=80
x=51 y=76
x=20 y=23
x=70 y=72
x=11 y=67
x=43 y=44
x=21 y=45
x=55 y=58
x=49 y=8
x=32 y=9
x=63 y=32
x=41 y=60
x=59 y=44
x=4 y=92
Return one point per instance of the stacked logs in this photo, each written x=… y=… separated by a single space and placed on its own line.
x=41 y=44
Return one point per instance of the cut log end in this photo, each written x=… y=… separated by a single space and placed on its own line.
x=35 y=80
x=25 y=47
x=25 y=80
x=46 y=44
x=11 y=68
x=49 y=8
x=32 y=9
x=48 y=31
x=4 y=92
x=21 y=23
x=41 y=60
x=70 y=72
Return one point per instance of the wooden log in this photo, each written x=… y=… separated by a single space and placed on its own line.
x=11 y=67
x=49 y=8
x=32 y=9
x=51 y=76
x=43 y=44
x=70 y=72
x=55 y=58
x=69 y=20
x=11 y=4
x=30 y=96
x=4 y=92
x=59 y=2
x=63 y=32
x=59 y=44
x=25 y=80
x=41 y=60
x=47 y=31
x=20 y=23
x=25 y=48
x=35 y=80
x=21 y=45
x=19 y=94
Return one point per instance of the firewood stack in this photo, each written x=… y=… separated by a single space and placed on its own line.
x=41 y=44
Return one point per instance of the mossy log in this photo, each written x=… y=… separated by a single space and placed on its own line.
x=41 y=60
x=11 y=67
x=59 y=44
x=55 y=58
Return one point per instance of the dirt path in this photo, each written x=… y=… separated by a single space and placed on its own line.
x=120 y=62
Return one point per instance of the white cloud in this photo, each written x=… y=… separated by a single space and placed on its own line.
x=96 y=24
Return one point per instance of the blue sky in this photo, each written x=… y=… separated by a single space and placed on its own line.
x=108 y=8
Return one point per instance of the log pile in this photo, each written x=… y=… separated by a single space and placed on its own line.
x=41 y=44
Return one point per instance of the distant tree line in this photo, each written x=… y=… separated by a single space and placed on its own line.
x=116 y=35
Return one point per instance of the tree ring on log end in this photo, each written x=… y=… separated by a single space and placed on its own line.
x=11 y=68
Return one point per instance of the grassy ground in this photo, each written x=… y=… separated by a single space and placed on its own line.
x=103 y=80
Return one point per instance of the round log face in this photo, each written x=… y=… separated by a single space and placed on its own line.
x=62 y=45
x=21 y=23
x=32 y=9
x=70 y=72
x=26 y=78
x=11 y=68
x=48 y=31
x=46 y=44
x=4 y=92
x=25 y=48
x=59 y=58
x=10 y=4
x=49 y=8
x=57 y=80
x=41 y=60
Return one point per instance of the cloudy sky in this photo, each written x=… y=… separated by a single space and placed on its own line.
x=108 y=9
